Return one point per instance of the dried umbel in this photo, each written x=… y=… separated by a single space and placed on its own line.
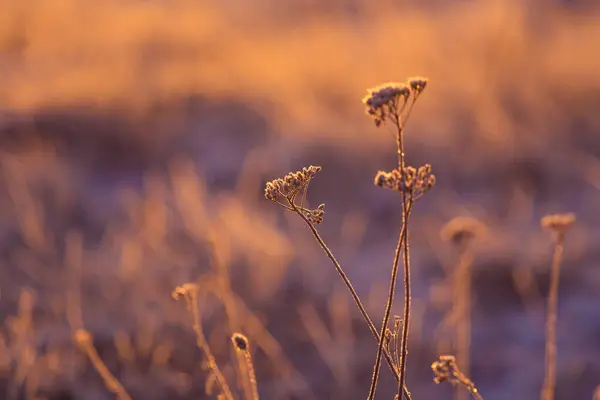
x=284 y=191
x=389 y=99
x=559 y=223
x=445 y=369
x=412 y=181
x=315 y=216
x=462 y=230
x=417 y=84
x=186 y=291
x=288 y=187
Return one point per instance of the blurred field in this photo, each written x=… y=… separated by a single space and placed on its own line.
x=136 y=138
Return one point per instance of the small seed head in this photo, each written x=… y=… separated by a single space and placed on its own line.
x=240 y=341
x=559 y=223
x=461 y=230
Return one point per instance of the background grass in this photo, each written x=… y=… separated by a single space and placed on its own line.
x=147 y=129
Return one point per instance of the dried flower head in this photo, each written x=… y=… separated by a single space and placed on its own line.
x=417 y=84
x=461 y=230
x=412 y=181
x=187 y=291
x=289 y=186
x=386 y=100
x=443 y=368
x=286 y=189
x=559 y=223
x=239 y=341
x=83 y=338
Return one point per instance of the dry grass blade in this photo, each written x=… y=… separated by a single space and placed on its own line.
x=85 y=341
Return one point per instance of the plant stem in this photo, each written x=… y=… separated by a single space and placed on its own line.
x=550 y=365
x=353 y=292
x=202 y=343
x=407 y=300
x=402 y=243
x=388 y=309
x=462 y=302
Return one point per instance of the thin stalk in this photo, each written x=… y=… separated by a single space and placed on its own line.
x=402 y=243
x=353 y=292
x=202 y=343
x=462 y=302
x=550 y=365
x=388 y=310
x=407 y=301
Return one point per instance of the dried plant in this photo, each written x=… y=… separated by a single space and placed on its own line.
x=389 y=102
x=85 y=341
x=394 y=102
x=461 y=231
x=446 y=370
x=189 y=292
x=241 y=346
x=559 y=224
x=284 y=192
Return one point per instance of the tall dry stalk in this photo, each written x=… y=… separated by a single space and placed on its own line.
x=189 y=292
x=558 y=224
x=394 y=101
x=461 y=231
x=388 y=102
x=446 y=369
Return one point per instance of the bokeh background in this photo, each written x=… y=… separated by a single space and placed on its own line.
x=136 y=137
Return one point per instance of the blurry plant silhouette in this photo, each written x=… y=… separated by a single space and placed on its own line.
x=559 y=224
x=461 y=231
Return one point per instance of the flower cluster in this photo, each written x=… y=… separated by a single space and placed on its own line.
x=388 y=100
x=315 y=216
x=417 y=84
x=411 y=180
x=445 y=369
x=289 y=186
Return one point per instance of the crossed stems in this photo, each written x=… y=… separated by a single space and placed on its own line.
x=300 y=211
x=407 y=202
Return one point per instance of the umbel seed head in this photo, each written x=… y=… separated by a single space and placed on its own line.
x=287 y=188
x=388 y=100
